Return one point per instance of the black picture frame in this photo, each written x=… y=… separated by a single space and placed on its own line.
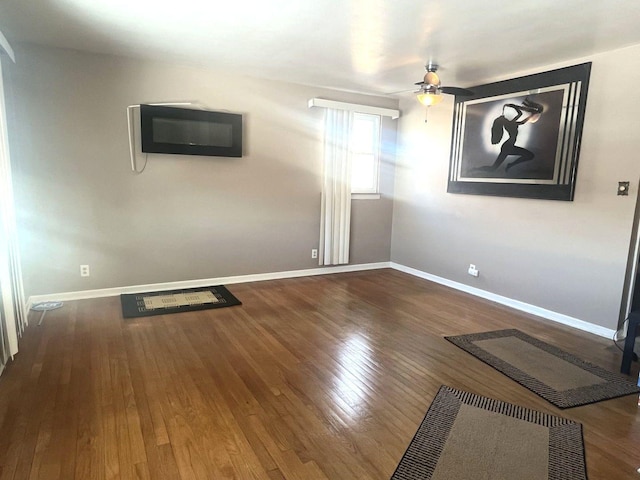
x=520 y=137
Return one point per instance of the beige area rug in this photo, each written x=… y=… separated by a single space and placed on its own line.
x=178 y=300
x=465 y=436
x=555 y=375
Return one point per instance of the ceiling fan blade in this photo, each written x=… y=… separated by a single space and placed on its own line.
x=402 y=91
x=463 y=92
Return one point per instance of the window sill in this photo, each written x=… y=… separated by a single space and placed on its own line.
x=365 y=196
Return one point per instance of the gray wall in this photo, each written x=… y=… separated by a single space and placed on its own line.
x=185 y=217
x=189 y=218
x=567 y=257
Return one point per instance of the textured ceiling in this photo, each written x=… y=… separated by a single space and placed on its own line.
x=371 y=46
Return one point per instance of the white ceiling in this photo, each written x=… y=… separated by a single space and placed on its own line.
x=371 y=46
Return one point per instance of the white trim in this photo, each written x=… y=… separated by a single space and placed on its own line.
x=354 y=107
x=509 y=302
x=6 y=48
x=258 y=277
x=524 y=307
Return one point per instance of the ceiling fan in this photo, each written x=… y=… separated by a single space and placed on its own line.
x=431 y=90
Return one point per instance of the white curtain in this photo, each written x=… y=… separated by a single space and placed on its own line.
x=12 y=306
x=336 y=190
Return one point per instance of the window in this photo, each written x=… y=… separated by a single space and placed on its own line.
x=365 y=153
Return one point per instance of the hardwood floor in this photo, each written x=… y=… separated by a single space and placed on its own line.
x=322 y=377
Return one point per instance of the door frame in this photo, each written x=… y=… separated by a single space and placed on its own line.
x=632 y=274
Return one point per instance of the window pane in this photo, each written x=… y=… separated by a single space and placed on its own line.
x=363 y=138
x=365 y=148
x=363 y=173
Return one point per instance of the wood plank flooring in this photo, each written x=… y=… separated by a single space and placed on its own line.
x=322 y=377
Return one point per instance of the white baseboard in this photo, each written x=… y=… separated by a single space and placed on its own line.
x=509 y=302
x=518 y=305
x=258 y=277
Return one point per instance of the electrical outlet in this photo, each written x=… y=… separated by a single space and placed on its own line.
x=314 y=253
x=473 y=271
x=84 y=271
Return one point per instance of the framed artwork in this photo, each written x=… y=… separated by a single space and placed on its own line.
x=520 y=137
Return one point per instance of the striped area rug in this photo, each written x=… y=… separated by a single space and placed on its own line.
x=465 y=436
x=555 y=375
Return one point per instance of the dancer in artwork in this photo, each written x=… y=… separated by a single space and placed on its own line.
x=513 y=116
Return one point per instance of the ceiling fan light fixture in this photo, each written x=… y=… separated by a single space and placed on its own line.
x=431 y=78
x=431 y=91
x=429 y=98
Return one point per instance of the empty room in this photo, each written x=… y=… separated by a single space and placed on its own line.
x=319 y=240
